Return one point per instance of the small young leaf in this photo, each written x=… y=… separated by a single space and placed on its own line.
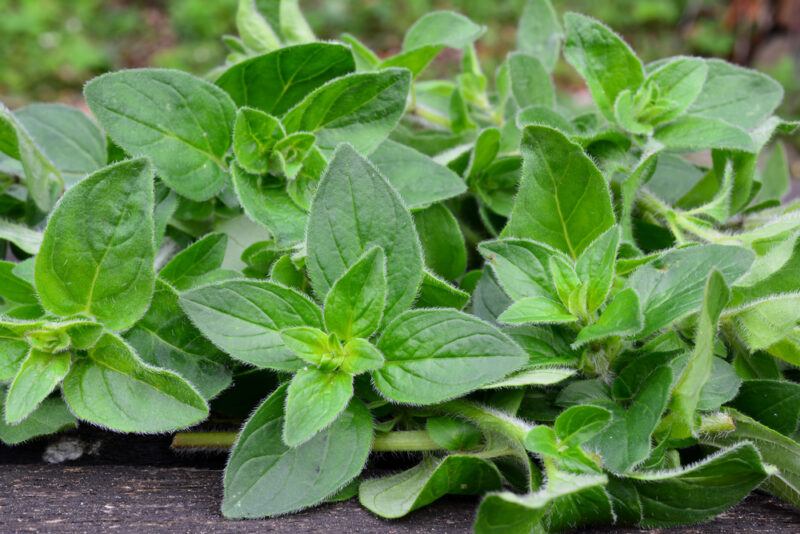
x=354 y=305
x=563 y=199
x=521 y=266
x=530 y=82
x=264 y=477
x=256 y=32
x=442 y=28
x=679 y=82
x=277 y=81
x=254 y=136
x=244 y=318
x=442 y=241
x=436 y=355
x=397 y=495
x=314 y=400
x=542 y=439
x=361 y=356
x=182 y=123
x=595 y=268
x=38 y=376
x=97 y=252
x=622 y=317
x=113 y=388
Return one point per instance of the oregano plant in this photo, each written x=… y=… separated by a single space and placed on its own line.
x=580 y=314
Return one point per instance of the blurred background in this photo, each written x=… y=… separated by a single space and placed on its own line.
x=49 y=48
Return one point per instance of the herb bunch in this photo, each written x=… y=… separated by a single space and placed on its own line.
x=584 y=315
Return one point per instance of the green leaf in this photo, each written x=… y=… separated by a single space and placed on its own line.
x=256 y=32
x=72 y=142
x=436 y=355
x=579 y=424
x=686 y=395
x=622 y=317
x=442 y=28
x=50 y=417
x=776 y=177
x=711 y=486
x=397 y=495
x=314 y=400
x=113 y=388
x=277 y=81
x=360 y=109
x=774 y=403
x=13 y=349
x=595 y=268
x=264 y=477
x=536 y=310
x=505 y=512
x=42 y=178
x=453 y=434
x=14 y=288
x=265 y=201
x=355 y=303
x=418 y=178
x=312 y=345
x=166 y=338
x=521 y=266
x=626 y=441
x=530 y=82
x=675 y=289
x=679 y=82
x=437 y=293
x=534 y=376
x=189 y=267
x=542 y=440
x=766 y=322
x=26 y=239
x=244 y=318
x=739 y=96
x=776 y=449
x=539 y=33
x=563 y=199
x=39 y=374
x=340 y=230
x=97 y=252
x=442 y=241
x=182 y=123
x=293 y=25
x=254 y=136
x=602 y=58
x=692 y=133
x=361 y=356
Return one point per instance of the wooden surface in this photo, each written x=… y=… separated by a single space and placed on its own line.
x=91 y=499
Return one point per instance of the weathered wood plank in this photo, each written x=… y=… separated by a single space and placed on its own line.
x=44 y=498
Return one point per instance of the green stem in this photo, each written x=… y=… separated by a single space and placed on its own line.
x=487 y=419
x=406 y=441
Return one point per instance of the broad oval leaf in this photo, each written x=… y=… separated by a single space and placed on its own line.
x=563 y=199
x=244 y=318
x=276 y=81
x=182 y=123
x=340 y=229
x=360 y=109
x=442 y=28
x=265 y=478
x=113 y=388
x=97 y=253
x=39 y=374
x=436 y=355
x=397 y=495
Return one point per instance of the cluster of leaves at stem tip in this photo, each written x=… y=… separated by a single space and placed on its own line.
x=584 y=315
